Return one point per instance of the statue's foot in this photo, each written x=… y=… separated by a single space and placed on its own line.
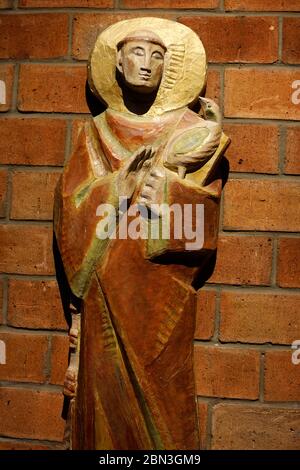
x=70 y=382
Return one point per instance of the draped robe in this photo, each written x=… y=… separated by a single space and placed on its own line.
x=135 y=387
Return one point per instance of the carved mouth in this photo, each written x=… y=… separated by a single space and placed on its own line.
x=145 y=77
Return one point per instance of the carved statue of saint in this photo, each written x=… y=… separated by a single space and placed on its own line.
x=136 y=219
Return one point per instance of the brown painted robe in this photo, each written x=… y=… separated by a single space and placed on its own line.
x=135 y=381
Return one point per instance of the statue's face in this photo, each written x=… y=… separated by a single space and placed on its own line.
x=141 y=64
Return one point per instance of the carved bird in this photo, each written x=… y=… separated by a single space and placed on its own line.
x=193 y=147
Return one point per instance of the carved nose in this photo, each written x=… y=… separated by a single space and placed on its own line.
x=146 y=69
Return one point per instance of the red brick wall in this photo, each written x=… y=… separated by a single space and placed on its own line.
x=249 y=311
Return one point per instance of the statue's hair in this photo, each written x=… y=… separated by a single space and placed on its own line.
x=142 y=35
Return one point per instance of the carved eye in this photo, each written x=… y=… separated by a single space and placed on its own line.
x=157 y=55
x=138 y=51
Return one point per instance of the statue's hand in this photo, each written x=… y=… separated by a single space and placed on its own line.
x=132 y=172
x=153 y=188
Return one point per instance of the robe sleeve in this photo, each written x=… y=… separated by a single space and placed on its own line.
x=84 y=186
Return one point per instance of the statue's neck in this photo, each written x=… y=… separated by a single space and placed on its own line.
x=137 y=103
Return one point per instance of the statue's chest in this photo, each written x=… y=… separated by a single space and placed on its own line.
x=133 y=132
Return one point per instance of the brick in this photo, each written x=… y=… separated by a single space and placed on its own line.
x=213 y=86
x=25 y=357
x=227 y=372
x=32 y=141
x=35 y=304
x=59 y=359
x=253 y=148
x=292 y=152
x=6 y=81
x=39 y=419
x=50 y=33
x=3 y=192
x=262 y=205
x=202 y=421
x=26 y=249
x=21 y=445
x=236 y=38
x=33 y=195
x=237 y=427
x=291 y=40
x=260 y=93
x=259 y=317
x=288 y=269
x=66 y=3
x=243 y=260
x=52 y=88
x=170 y=4
x=6 y=4
x=205 y=320
x=282 y=377
x=265 y=5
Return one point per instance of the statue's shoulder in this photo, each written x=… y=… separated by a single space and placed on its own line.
x=86 y=160
x=83 y=128
x=78 y=167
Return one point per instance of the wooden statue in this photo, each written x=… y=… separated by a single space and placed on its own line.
x=130 y=378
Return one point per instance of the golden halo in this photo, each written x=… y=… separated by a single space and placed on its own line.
x=185 y=66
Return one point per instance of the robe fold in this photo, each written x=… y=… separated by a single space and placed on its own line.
x=135 y=382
